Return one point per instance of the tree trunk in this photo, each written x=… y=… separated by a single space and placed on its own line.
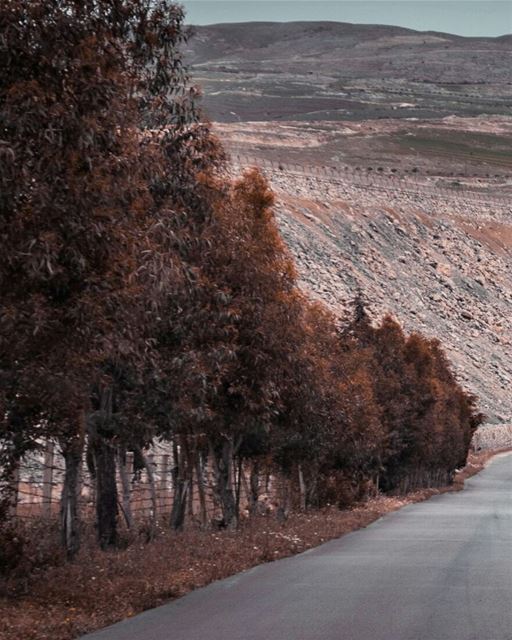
x=104 y=454
x=201 y=491
x=12 y=491
x=247 y=491
x=124 y=474
x=284 y=499
x=70 y=525
x=238 y=487
x=180 y=487
x=302 y=490
x=48 y=479
x=255 y=486
x=106 y=492
x=222 y=454
x=148 y=465
x=189 y=476
x=311 y=496
x=163 y=487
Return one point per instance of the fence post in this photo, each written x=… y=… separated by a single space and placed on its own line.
x=48 y=479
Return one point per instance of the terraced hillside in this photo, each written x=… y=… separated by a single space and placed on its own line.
x=477 y=147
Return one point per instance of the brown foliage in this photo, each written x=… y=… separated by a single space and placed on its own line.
x=144 y=295
x=91 y=207
x=427 y=418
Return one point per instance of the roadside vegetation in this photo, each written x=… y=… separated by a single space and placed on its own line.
x=146 y=297
x=63 y=600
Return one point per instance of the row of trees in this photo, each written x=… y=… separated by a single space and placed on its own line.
x=146 y=296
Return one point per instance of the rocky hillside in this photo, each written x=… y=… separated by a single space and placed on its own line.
x=390 y=152
x=439 y=259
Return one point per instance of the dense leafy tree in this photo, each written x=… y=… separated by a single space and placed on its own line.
x=427 y=418
x=146 y=295
x=84 y=199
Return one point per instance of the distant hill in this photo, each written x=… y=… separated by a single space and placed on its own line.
x=331 y=70
x=252 y=41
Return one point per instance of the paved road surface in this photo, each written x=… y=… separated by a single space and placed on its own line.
x=439 y=570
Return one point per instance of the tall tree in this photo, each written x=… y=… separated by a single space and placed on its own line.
x=85 y=197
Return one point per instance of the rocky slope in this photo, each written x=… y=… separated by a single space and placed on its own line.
x=390 y=152
x=439 y=259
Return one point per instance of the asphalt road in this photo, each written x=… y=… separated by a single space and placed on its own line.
x=438 y=570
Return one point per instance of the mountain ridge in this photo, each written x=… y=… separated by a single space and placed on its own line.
x=258 y=71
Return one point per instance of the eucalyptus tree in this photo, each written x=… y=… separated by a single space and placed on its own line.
x=99 y=139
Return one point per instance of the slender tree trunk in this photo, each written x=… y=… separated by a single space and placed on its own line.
x=180 y=487
x=104 y=454
x=189 y=476
x=12 y=490
x=302 y=489
x=70 y=525
x=311 y=496
x=222 y=455
x=247 y=491
x=255 y=486
x=106 y=492
x=124 y=475
x=238 y=486
x=48 y=479
x=162 y=485
x=201 y=491
x=148 y=465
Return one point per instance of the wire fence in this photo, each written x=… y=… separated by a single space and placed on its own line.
x=145 y=491
x=380 y=178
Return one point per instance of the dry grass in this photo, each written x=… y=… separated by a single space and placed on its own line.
x=64 y=601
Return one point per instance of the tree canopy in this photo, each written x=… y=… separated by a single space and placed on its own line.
x=146 y=295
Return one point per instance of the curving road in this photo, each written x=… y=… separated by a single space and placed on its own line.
x=438 y=570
